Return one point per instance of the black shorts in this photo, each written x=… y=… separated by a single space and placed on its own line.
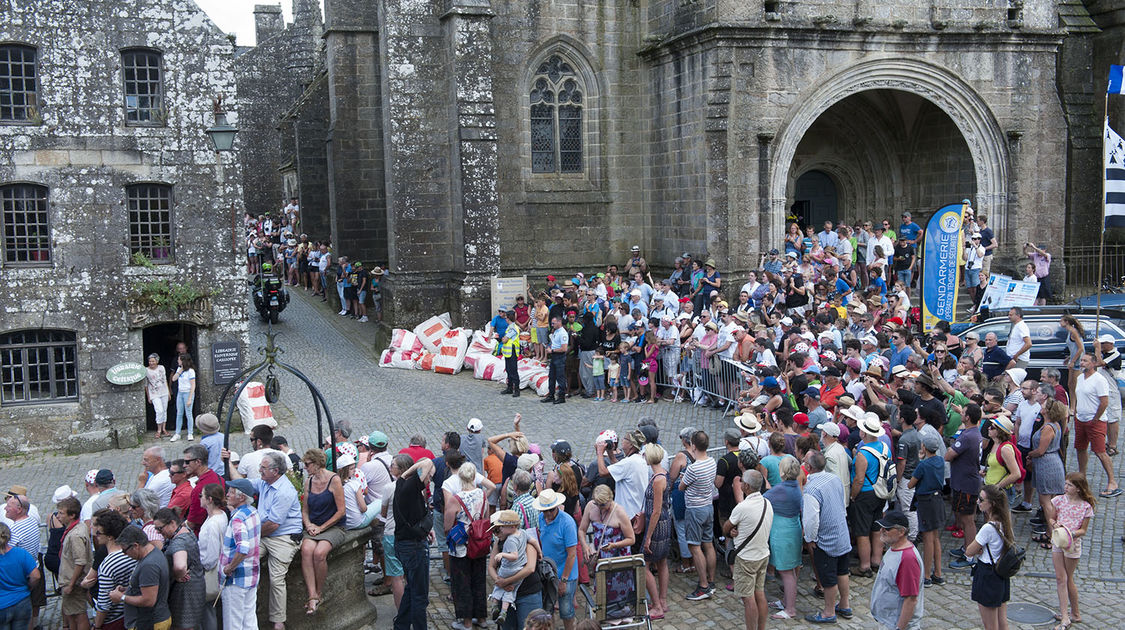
x=863 y=511
x=829 y=568
x=350 y=293
x=989 y=590
x=964 y=502
x=931 y=512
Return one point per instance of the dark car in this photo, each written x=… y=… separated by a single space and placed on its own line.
x=1109 y=300
x=1048 y=339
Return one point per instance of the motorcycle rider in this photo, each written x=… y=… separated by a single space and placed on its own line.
x=267 y=283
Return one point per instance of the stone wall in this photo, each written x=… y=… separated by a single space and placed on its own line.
x=86 y=155
x=304 y=129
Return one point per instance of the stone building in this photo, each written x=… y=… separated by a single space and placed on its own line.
x=117 y=233
x=469 y=138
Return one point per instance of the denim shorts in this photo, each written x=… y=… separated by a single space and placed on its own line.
x=361 y=296
x=391 y=565
x=566 y=599
x=439 y=529
x=699 y=524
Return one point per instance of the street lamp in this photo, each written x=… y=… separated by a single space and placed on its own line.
x=221 y=133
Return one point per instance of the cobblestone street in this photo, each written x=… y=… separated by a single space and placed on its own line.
x=339 y=356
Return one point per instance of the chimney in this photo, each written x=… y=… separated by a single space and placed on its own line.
x=267 y=21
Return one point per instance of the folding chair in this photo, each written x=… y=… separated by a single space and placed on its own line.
x=627 y=609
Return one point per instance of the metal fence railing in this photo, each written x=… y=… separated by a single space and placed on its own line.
x=1082 y=270
x=686 y=375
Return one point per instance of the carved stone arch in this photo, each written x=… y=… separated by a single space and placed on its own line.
x=579 y=56
x=964 y=106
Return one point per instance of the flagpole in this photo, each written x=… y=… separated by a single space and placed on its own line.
x=1101 y=240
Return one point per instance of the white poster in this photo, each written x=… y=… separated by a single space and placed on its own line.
x=505 y=290
x=1004 y=292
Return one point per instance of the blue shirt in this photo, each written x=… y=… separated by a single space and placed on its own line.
x=909 y=231
x=843 y=288
x=773 y=266
x=559 y=338
x=15 y=567
x=930 y=473
x=898 y=357
x=872 y=470
x=556 y=537
x=214 y=445
x=278 y=503
x=500 y=325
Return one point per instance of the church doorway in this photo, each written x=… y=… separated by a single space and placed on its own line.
x=162 y=339
x=815 y=195
x=891 y=152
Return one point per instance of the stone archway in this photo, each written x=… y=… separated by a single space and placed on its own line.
x=967 y=110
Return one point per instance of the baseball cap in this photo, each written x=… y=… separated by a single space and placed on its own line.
x=636 y=248
x=812 y=391
x=1105 y=339
x=931 y=442
x=61 y=493
x=609 y=435
x=893 y=518
x=651 y=433
x=769 y=381
x=791 y=254
x=104 y=476
x=773 y=252
x=561 y=447
x=829 y=428
x=475 y=425
x=246 y=487
x=377 y=439
x=91 y=476
x=801 y=419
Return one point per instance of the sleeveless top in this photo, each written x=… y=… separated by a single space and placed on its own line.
x=1056 y=440
x=322 y=505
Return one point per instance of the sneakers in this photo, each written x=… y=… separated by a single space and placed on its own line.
x=1022 y=508
x=190 y=437
x=457 y=625
x=175 y=438
x=936 y=579
x=343 y=312
x=497 y=611
x=699 y=593
x=927 y=582
x=961 y=563
x=957 y=552
x=846 y=613
x=363 y=319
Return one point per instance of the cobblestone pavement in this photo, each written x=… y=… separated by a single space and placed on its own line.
x=339 y=355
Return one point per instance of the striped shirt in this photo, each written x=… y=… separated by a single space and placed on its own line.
x=825 y=519
x=25 y=535
x=699 y=479
x=243 y=535
x=114 y=571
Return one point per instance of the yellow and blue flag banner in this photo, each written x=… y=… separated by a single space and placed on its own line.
x=941 y=273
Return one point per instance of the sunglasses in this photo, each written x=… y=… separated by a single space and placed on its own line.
x=188 y=461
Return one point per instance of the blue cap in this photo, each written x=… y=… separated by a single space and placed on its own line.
x=769 y=381
x=377 y=439
x=812 y=391
x=245 y=486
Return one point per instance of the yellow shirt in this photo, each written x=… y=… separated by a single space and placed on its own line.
x=996 y=470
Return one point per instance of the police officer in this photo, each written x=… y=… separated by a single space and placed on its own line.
x=510 y=350
x=556 y=375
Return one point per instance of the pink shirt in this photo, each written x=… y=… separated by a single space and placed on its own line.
x=1042 y=263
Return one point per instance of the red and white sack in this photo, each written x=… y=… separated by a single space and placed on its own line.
x=451 y=355
x=254 y=408
x=431 y=331
x=392 y=358
x=425 y=361
x=539 y=384
x=490 y=368
x=405 y=340
x=529 y=368
x=482 y=344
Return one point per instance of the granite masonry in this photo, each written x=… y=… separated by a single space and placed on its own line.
x=118 y=222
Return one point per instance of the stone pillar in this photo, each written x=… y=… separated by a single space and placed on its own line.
x=473 y=138
x=267 y=21
x=716 y=132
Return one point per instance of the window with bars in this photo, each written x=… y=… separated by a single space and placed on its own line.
x=150 y=221
x=557 y=99
x=38 y=366
x=26 y=224
x=17 y=83
x=144 y=87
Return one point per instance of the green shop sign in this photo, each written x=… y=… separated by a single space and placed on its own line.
x=125 y=373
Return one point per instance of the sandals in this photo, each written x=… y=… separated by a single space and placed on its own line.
x=312 y=605
x=1111 y=450
x=781 y=615
x=1064 y=625
x=1042 y=538
x=1109 y=494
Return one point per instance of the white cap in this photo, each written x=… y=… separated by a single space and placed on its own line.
x=346 y=459
x=475 y=425
x=91 y=476
x=1018 y=375
x=62 y=492
x=830 y=428
x=1106 y=339
x=869 y=339
x=636 y=248
x=234 y=458
x=786 y=321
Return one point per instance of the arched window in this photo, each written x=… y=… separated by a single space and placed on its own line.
x=150 y=221
x=557 y=100
x=17 y=83
x=26 y=224
x=38 y=366
x=143 y=77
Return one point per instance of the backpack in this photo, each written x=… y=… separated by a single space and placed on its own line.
x=548 y=574
x=1019 y=458
x=886 y=477
x=477 y=536
x=1010 y=561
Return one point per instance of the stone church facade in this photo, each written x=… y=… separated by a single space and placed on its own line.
x=117 y=231
x=470 y=138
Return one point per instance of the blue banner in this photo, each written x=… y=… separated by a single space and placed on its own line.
x=940 y=269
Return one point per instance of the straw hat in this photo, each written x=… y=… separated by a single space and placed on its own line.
x=748 y=422
x=548 y=500
x=505 y=518
x=1062 y=538
x=871 y=425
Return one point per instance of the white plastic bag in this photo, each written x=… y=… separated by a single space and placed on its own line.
x=392 y=358
x=254 y=408
x=405 y=340
x=490 y=368
x=451 y=355
x=431 y=331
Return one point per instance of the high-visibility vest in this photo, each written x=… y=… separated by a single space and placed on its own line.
x=511 y=347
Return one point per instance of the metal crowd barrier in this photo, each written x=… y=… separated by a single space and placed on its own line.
x=686 y=375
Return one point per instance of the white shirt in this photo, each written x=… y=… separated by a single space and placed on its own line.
x=631 y=477
x=161 y=484
x=1087 y=394
x=746 y=516
x=884 y=242
x=378 y=476
x=750 y=287
x=1015 y=340
x=248 y=465
x=755 y=443
x=1026 y=413
x=88 y=506
x=837 y=462
x=992 y=544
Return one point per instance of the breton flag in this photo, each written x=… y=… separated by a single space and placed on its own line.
x=1116 y=80
x=1114 y=178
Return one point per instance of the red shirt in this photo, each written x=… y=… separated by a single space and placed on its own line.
x=829 y=395
x=909 y=574
x=196 y=514
x=181 y=499
x=418 y=452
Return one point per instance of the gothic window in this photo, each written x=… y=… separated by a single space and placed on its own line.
x=38 y=366
x=557 y=100
x=17 y=83
x=150 y=221
x=26 y=224
x=144 y=87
